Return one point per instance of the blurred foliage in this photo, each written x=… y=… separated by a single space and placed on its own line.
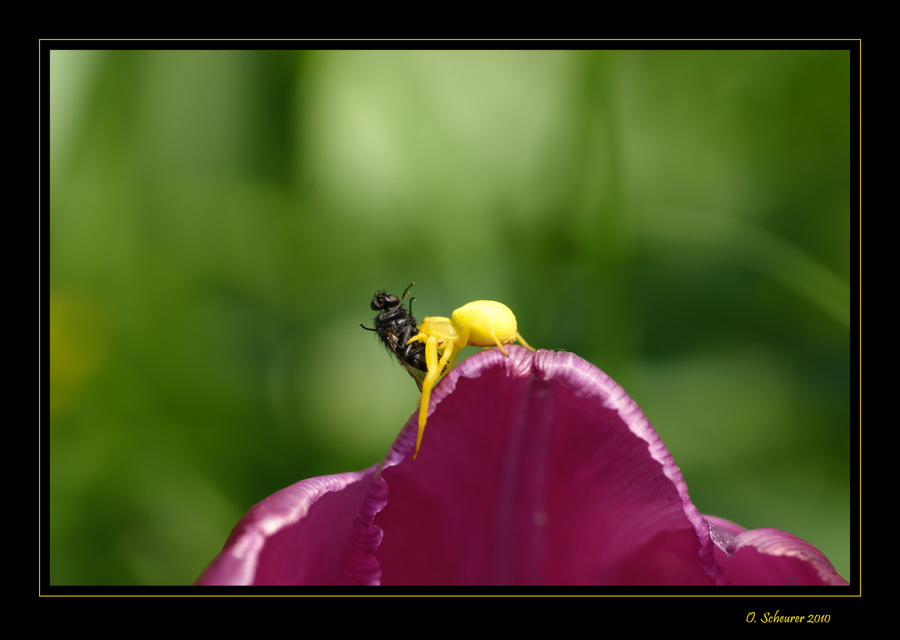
x=219 y=221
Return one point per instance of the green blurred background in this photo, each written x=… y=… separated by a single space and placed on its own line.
x=219 y=221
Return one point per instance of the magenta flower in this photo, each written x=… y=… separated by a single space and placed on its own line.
x=535 y=469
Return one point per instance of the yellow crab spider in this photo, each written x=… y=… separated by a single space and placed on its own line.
x=483 y=323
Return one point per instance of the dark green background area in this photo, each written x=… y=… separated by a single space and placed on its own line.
x=219 y=221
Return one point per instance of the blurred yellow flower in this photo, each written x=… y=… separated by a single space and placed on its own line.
x=79 y=340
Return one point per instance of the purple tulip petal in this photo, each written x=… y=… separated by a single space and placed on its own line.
x=538 y=469
x=769 y=557
x=535 y=469
x=317 y=531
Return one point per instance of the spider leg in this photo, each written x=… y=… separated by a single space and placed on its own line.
x=460 y=343
x=522 y=340
x=498 y=343
x=468 y=328
x=435 y=368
